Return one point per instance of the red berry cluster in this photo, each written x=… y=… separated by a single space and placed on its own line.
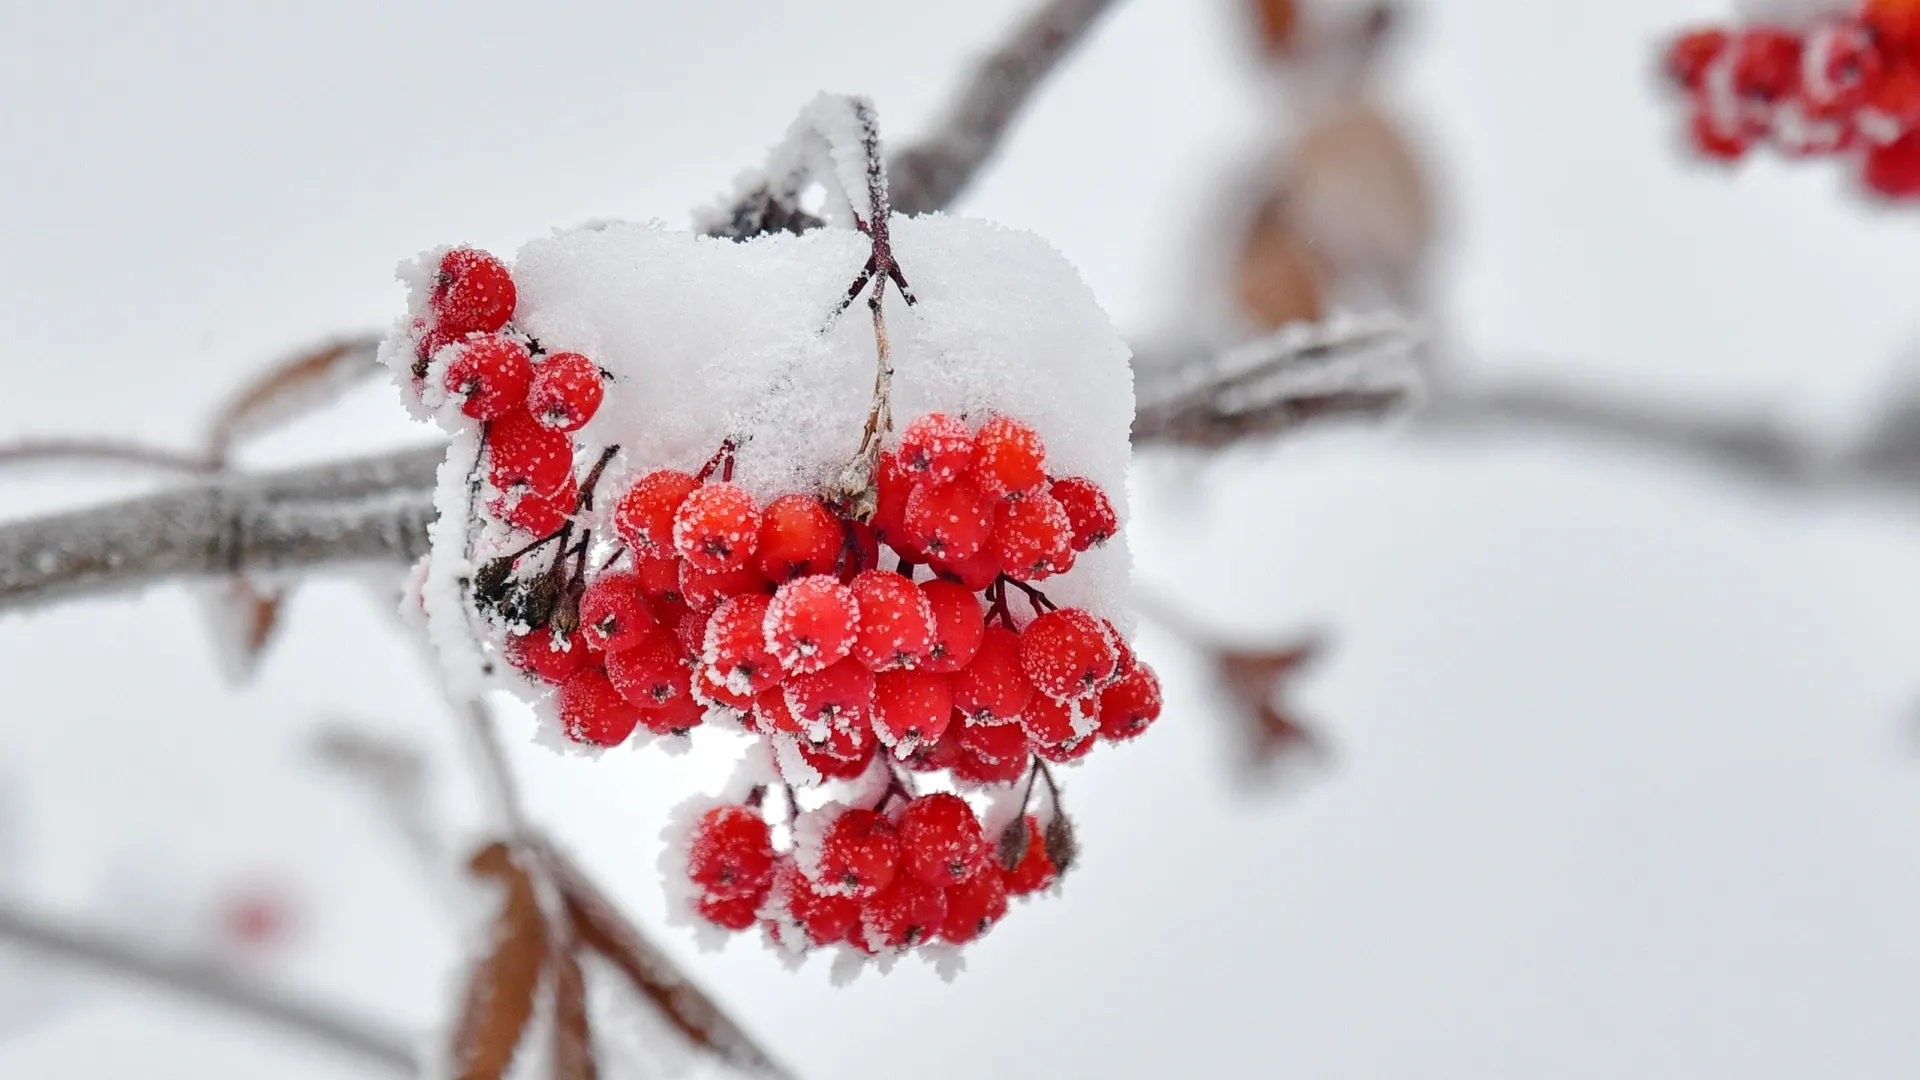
x=1844 y=85
x=530 y=401
x=882 y=880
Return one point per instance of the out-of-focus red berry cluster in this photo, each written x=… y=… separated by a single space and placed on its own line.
x=1844 y=86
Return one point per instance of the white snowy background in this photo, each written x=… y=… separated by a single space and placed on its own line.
x=1627 y=779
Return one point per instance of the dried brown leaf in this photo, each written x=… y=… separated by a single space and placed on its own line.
x=1280 y=278
x=597 y=925
x=1279 y=21
x=1257 y=680
x=307 y=380
x=1355 y=191
x=1061 y=847
x=243 y=619
x=501 y=989
x=1015 y=839
x=573 y=1057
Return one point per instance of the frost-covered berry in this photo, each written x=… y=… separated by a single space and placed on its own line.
x=824 y=918
x=907 y=913
x=659 y=579
x=950 y=522
x=893 y=485
x=973 y=906
x=1035 y=871
x=1893 y=170
x=1067 y=752
x=910 y=707
x=644 y=516
x=958 y=624
x=976 y=573
x=995 y=742
x=729 y=913
x=811 y=623
x=735 y=650
x=1766 y=66
x=896 y=624
x=993 y=688
x=974 y=768
x=1841 y=69
x=592 y=711
x=840 y=696
x=858 y=856
x=730 y=854
x=936 y=448
x=1051 y=722
x=799 y=536
x=539 y=654
x=613 y=613
x=1715 y=139
x=541 y=515
x=1089 y=511
x=1033 y=538
x=653 y=673
x=703 y=591
x=771 y=716
x=676 y=717
x=940 y=841
x=1895 y=22
x=1690 y=54
x=935 y=755
x=521 y=453
x=1009 y=460
x=473 y=291
x=1129 y=706
x=566 y=391
x=1066 y=654
x=489 y=376
x=717 y=527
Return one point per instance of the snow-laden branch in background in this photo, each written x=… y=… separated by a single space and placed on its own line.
x=932 y=172
x=1301 y=373
x=373 y=509
x=211 y=985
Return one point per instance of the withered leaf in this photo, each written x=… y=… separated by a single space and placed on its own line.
x=1257 y=681
x=1280 y=278
x=243 y=618
x=501 y=989
x=307 y=380
x=1014 y=841
x=573 y=1057
x=1278 y=22
x=597 y=925
x=1062 y=849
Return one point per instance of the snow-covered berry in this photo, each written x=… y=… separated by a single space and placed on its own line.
x=592 y=711
x=907 y=913
x=735 y=650
x=1129 y=706
x=993 y=688
x=730 y=854
x=473 y=291
x=1033 y=538
x=1066 y=654
x=653 y=673
x=1089 y=511
x=799 y=537
x=839 y=696
x=940 y=841
x=489 y=376
x=958 y=625
x=644 y=516
x=540 y=654
x=566 y=391
x=613 y=613
x=521 y=453
x=858 y=855
x=1009 y=460
x=716 y=527
x=896 y=624
x=811 y=623
x=910 y=707
x=950 y=521
x=936 y=448
x=973 y=906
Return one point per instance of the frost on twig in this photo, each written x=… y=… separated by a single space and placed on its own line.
x=1301 y=373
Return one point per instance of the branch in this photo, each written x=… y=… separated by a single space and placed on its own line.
x=209 y=985
x=369 y=509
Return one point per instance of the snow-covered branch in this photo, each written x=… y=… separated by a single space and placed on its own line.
x=368 y=509
x=206 y=983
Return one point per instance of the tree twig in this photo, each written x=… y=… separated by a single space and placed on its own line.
x=210 y=985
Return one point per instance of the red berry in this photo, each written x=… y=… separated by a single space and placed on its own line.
x=811 y=623
x=994 y=742
x=489 y=376
x=906 y=914
x=1035 y=871
x=592 y=711
x=473 y=291
x=1895 y=101
x=1066 y=654
x=735 y=650
x=644 y=516
x=1766 y=66
x=972 y=768
x=613 y=613
x=858 y=855
x=659 y=578
x=652 y=673
x=1897 y=22
x=936 y=447
x=1692 y=53
x=976 y=573
x=940 y=841
x=958 y=624
x=541 y=515
x=1050 y=722
x=834 y=766
x=566 y=391
x=1893 y=170
x=894 y=486
x=936 y=755
x=771 y=715
x=1063 y=753
x=522 y=453
x=799 y=536
x=432 y=340
x=824 y=918
x=859 y=553
x=676 y=717
x=840 y=697
x=993 y=688
x=896 y=623
x=910 y=707
x=691 y=633
x=1713 y=139
x=1089 y=511
x=1130 y=705
x=708 y=689
x=1033 y=538
x=703 y=591
x=1842 y=68
x=729 y=914
x=950 y=522
x=539 y=655
x=730 y=854
x=717 y=527
x=1008 y=459
x=973 y=906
